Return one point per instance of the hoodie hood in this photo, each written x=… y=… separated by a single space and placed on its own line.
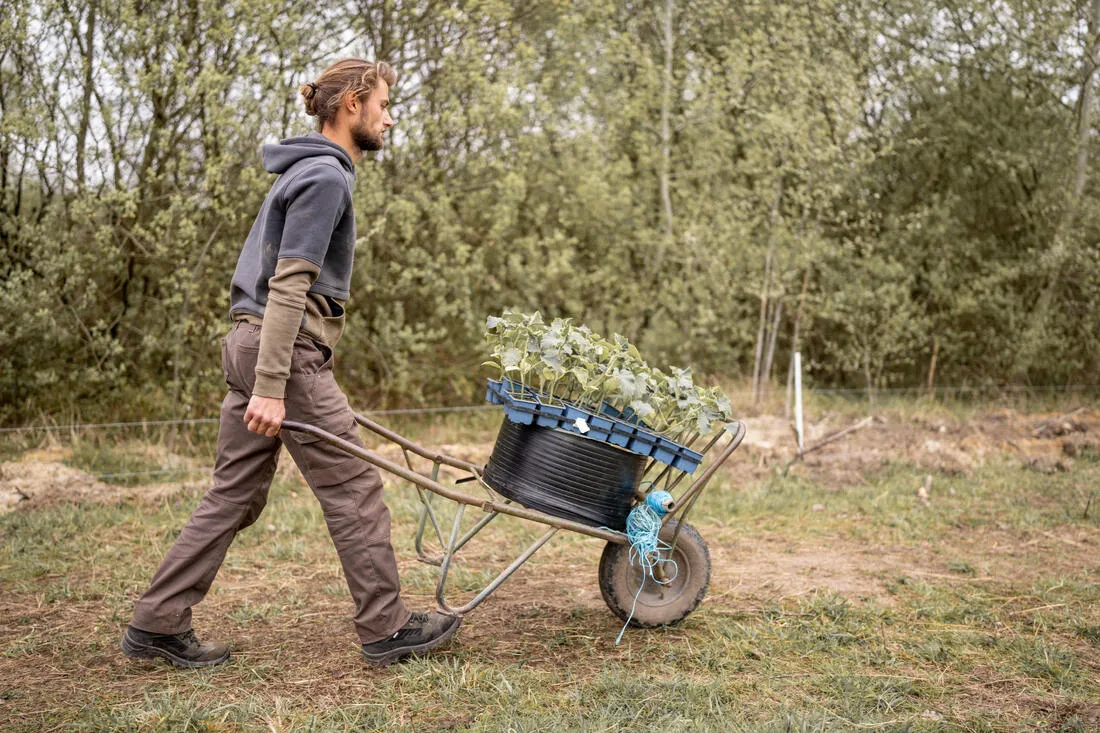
x=278 y=158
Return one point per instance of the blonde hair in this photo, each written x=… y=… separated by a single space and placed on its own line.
x=356 y=76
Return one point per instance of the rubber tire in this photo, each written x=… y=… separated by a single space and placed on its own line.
x=658 y=605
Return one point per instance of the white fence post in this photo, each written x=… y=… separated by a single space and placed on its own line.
x=798 y=397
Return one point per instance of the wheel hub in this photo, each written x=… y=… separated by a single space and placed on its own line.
x=658 y=593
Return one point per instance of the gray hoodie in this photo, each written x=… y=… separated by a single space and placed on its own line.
x=307 y=214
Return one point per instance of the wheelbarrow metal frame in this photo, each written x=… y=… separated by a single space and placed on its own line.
x=428 y=485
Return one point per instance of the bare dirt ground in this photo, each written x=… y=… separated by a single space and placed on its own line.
x=44 y=477
x=552 y=616
x=770 y=567
x=1046 y=442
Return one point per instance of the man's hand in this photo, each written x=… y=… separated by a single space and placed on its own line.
x=265 y=415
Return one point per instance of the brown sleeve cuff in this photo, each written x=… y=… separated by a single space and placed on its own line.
x=270 y=386
x=286 y=300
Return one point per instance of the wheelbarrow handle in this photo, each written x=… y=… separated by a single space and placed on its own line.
x=416 y=448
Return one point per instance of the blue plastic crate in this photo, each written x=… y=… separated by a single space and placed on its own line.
x=627 y=416
x=550 y=416
x=662 y=454
x=516 y=415
x=526 y=407
x=620 y=438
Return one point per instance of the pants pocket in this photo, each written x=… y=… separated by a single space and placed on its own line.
x=329 y=468
x=309 y=356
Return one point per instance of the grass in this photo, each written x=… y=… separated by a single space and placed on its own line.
x=853 y=608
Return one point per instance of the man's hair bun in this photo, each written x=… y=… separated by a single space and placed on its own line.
x=309 y=94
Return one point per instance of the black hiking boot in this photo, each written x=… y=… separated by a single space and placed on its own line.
x=422 y=632
x=181 y=650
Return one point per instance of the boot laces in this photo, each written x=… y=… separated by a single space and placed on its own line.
x=418 y=622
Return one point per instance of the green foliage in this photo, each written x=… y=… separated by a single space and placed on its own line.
x=916 y=161
x=575 y=365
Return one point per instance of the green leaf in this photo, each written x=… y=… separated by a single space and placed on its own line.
x=511 y=359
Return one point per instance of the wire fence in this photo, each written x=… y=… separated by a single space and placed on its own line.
x=205 y=470
x=963 y=389
x=1018 y=389
x=124 y=476
x=214 y=420
x=98 y=425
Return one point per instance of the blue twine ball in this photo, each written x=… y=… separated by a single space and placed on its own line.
x=659 y=501
x=643 y=525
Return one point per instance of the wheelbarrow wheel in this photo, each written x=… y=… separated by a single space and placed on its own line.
x=658 y=604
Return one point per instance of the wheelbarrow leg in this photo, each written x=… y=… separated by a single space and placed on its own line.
x=452 y=547
x=438 y=560
x=426 y=513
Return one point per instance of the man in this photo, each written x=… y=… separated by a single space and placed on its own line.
x=287 y=303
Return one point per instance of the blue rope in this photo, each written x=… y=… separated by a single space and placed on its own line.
x=643 y=525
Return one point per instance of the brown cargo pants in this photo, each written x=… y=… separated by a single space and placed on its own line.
x=349 y=489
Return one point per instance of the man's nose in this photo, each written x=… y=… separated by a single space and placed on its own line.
x=387 y=120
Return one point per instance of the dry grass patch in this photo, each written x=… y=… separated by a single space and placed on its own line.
x=832 y=606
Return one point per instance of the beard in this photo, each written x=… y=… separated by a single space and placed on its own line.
x=365 y=140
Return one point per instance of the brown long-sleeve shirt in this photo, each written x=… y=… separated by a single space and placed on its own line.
x=291 y=309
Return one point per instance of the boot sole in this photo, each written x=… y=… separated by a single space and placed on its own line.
x=135 y=650
x=387 y=658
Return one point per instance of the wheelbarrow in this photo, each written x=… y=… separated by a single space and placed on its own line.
x=622 y=584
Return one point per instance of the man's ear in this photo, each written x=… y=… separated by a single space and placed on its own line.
x=351 y=103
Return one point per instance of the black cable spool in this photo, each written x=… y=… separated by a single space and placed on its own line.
x=564 y=474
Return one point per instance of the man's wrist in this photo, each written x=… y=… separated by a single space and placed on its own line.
x=269 y=386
